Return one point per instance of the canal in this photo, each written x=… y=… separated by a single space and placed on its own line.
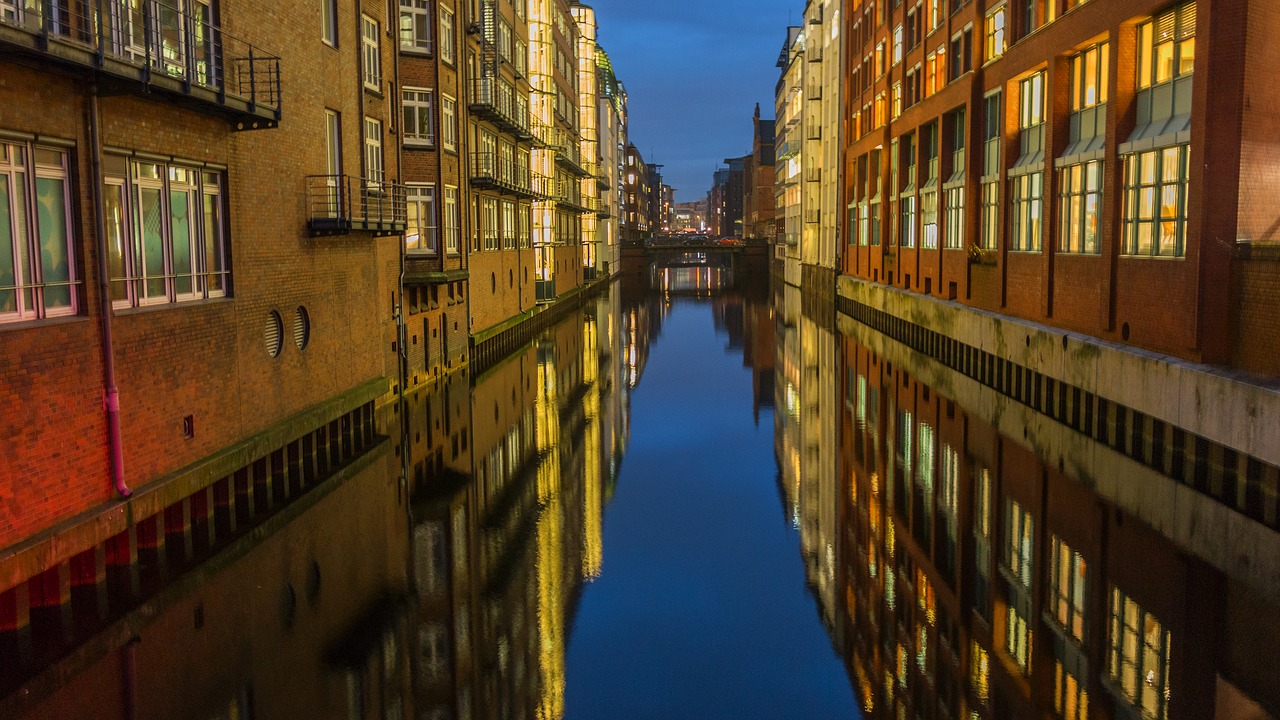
x=696 y=496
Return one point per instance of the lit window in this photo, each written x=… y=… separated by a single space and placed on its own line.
x=166 y=232
x=420 y=236
x=1026 y=197
x=1089 y=73
x=1138 y=657
x=1155 y=202
x=995 y=32
x=1166 y=46
x=37 y=273
x=1080 y=206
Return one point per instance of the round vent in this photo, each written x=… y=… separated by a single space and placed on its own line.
x=301 y=328
x=273 y=331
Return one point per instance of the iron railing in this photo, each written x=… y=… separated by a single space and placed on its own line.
x=490 y=170
x=172 y=47
x=499 y=103
x=340 y=204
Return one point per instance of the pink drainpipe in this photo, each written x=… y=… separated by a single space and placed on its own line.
x=111 y=400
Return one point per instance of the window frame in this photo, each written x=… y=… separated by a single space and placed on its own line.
x=420 y=197
x=21 y=173
x=1158 y=185
x=415 y=22
x=419 y=101
x=370 y=53
x=1076 y=189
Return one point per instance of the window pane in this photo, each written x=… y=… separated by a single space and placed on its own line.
x=213 y=254
x=55 y=267
x=180 y=228
x=8 y=276
x=150 y=221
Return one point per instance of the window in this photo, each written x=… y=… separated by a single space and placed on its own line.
x=489 y=222
x=371 y=53
x=418 y=126
x=955 y=218
x=1155 y=202
x=329 y=23
x=1089 y=72
x=1070 y=692
x=415 y=25
x=1067 y=576
x=508 y=225
x=897 y=44
x=166 y=232
x=1138 y=657
x=449 y=123
x=1080 y=207
x=523 y=215
x=1166 y=46
x=929 y=218
x=908 y=203
x=1018 y=549
x=452 y=226
x=333 y=142
x=1031 y=102
x=1026 y=196
x=37 y=273
x=897 y=101
x=1019 y=542
x=990 y=215
x=420 y=236
x=448 y=38
x=373 y=171
x=995 y=33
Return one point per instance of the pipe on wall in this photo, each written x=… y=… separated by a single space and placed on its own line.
x=111 y=398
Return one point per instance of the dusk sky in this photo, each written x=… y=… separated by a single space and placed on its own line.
x=694 y=70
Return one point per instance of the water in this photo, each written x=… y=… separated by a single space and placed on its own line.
x=695 y=502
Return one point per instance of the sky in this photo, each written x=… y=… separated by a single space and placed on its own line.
x=694 y=71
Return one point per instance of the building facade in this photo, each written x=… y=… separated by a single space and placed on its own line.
x=1036 y=161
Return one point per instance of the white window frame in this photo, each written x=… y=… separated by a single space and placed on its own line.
x=452 y=226
x=370 y=53
x=206 y=242
x=329 y=23
x=374 y=171
x=448 y=123
x=422 y=218
x=417 y=103
x=21 y=171
x=448 y=34
x=415 y=26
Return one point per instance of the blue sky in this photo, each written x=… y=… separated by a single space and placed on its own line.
x=694 y=70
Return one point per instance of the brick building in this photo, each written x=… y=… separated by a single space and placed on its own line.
x=758 y=201
x=499 y=150
x=1052 y=161
x=434 y=157
x=196 y=323
x=635 y=184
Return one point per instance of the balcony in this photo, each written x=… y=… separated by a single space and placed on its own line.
x=496 y=101
x=172 y=48
x=491 y=172
x=566 y=149
x=568 y=195
x=342 y=204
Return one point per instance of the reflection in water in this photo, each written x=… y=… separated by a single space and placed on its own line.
x=965 y=575
x=957 y=571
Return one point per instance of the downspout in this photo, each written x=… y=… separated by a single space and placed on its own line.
x=402 y=333
x=111 y=400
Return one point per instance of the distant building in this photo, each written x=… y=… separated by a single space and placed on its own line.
x=758 y=199
x=635 y=183
x=733 y=196
x=789 y=102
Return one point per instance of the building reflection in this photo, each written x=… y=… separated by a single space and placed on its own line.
x=964 y=574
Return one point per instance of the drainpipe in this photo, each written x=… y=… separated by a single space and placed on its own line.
x=111 y=400
x=402 y=331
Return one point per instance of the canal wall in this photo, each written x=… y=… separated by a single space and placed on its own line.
x=1201 y=475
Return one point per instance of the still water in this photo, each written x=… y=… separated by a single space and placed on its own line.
x=688 y=501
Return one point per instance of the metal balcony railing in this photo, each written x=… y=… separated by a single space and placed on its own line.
x=166 y=45
x=498 y=102
x=569 y=195
x=341 y=204
x=490 y=171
